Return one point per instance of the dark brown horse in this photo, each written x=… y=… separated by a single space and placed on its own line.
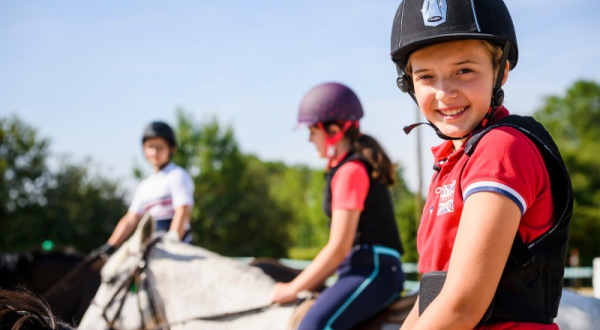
x=65 y=279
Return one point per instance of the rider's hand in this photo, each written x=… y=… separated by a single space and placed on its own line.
x=105 y=249
x=283 y=293
x=172 y=236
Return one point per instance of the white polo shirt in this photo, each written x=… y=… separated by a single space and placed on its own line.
x=162 y=192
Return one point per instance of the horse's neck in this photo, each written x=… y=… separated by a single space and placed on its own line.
x=199 y=281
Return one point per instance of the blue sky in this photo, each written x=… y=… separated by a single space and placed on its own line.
x=90 y=74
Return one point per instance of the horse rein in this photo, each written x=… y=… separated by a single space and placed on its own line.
x=215 y=317
x=137 y=276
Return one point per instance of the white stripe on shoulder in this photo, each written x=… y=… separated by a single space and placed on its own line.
x=498 y=188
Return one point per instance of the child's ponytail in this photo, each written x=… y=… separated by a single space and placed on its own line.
x=382 y=169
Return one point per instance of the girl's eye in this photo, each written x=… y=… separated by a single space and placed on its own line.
x=424 y=77
x=464 y=70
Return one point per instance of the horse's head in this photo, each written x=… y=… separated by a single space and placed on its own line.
x=134 y=246
x=125 y=299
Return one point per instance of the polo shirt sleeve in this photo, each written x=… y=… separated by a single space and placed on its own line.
x=137 y=205
x=349 y=187
x=182 y=188
x=508 y=163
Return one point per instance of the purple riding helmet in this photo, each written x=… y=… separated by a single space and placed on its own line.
x=329 y=102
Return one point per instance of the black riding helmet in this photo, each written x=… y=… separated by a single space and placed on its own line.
x=161 y=130
x=420 y=23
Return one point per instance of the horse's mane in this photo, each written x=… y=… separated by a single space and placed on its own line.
x=21 y=309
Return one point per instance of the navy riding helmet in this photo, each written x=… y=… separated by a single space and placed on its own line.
x=161 y=130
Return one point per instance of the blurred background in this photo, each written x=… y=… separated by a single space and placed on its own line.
x=80 y=80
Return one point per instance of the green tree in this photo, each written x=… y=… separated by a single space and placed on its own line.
x=234 y=213
x=82 y=206
x=572 y=121
x=405 y=209
x=22 y=176
x=299 y=189
x=69 y=206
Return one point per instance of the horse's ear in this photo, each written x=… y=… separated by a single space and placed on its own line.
x=133 y=245
x=146 y=227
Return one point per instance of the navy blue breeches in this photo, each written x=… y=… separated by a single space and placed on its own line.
x=369 y=279
x=164 y=225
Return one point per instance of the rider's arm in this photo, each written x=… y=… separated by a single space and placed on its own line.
x=412 y=317
x=341 y=239
x=124 y=228
x=182 y=194
x=488 y=226
x=180 y=219
x=349 y=188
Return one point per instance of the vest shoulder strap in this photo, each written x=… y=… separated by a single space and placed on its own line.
x=562 y=192
x=526 y=125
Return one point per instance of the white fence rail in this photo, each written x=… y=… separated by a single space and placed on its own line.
x=411 y=268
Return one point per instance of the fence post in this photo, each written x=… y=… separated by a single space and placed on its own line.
x=596 y=277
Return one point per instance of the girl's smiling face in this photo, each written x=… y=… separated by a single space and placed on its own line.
x=157 y=152
x=453 y=83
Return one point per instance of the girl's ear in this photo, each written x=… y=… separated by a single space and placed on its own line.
x=333 y=129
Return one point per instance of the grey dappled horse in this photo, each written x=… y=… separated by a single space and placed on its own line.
x=151 y=284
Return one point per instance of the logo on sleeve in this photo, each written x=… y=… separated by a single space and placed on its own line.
x=434 y=12
x=446 y=203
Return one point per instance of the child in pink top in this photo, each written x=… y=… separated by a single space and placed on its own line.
x=364 y=243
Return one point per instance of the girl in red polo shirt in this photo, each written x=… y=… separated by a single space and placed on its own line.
x=364 y=243
x=493 y=233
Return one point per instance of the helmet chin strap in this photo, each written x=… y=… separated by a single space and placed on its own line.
x=332 y=140
x=497 y=99
x=409 y=128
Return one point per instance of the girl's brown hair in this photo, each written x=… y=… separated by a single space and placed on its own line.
x=382 y=169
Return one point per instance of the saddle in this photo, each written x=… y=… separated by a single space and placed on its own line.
x=396 y=313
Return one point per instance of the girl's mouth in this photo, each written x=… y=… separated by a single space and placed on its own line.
x=453 y=112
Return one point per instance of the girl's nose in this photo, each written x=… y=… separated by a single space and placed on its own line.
x=445 y=90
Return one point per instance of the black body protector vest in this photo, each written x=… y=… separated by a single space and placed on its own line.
x=377 y=223
x=531 y=284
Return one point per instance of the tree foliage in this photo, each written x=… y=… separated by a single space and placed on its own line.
x=299 y=189
x=22 y=168
x=69 y=206
x=405 y=207
x=572 y=120
x=234 y=213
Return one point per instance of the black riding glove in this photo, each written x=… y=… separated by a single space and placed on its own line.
x=105 y=249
